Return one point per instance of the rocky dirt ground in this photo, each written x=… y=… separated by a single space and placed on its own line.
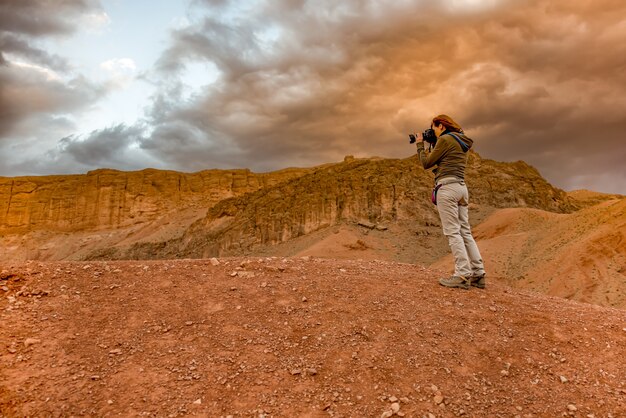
x=297 y=337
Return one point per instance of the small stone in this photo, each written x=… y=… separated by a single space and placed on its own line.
x=400 y=414
x=31 y=341
x=504 y=372
x=563 y=379
x=12 y=350
x=572 y=407
x=6 y=289
x=386 y=414
x=188 y=323
x=312 y=371
x=395 y=407
x=492 y=309
x=116 y=351
x=438 y=399
x=434 y=388
x=95 y=377
x=295 y=372
x=233 y=274
x=214 y=261
x=304 y=299
x=431 y=415
x=393 y=399
x=110 y=402
x=197 y=402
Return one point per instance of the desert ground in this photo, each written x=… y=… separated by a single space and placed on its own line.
x=297 y=337
x=307 y=293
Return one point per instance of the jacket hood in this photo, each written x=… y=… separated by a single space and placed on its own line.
x=466 y=139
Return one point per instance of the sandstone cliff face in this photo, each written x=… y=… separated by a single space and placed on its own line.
x=370 y=191
x=162 y=214
x=109 y=199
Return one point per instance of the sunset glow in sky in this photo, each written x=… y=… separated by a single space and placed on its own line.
x=268 y=84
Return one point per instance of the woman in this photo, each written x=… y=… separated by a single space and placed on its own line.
x=450 y=157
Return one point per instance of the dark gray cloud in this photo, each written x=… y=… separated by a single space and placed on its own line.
x=306 y=83
x=42 y=17
x=103 y=148
x=36 y=86
x=20 y=47
x=303 y=83
x=111 y=147
x=28 y=93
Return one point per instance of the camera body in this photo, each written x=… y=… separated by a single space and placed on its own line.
x=428 y=135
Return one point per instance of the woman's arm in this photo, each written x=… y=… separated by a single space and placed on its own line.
x=432 y=159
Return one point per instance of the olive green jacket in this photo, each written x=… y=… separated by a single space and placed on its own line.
x=448 y=155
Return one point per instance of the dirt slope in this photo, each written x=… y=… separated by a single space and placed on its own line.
x=298 y=337
x=579 y=256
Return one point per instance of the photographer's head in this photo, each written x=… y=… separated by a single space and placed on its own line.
x=442 y=123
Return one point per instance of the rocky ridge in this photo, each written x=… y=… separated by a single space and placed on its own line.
x=367 y=192
x=109 y=199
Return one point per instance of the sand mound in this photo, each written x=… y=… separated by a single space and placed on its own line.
x=579 y=256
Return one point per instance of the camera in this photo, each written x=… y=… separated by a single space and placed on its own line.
x=428 y=135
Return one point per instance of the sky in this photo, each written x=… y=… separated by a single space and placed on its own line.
x=269 y=84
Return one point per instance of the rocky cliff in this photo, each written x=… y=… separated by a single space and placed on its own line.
x=109 y=199
x=372 y=192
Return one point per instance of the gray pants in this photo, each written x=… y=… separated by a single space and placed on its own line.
x=452 y=200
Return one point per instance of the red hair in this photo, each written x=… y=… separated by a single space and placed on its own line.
x=448 y=122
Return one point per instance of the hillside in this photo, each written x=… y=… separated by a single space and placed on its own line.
x=377 y=192
x=302 y=337
x=109 y=214
x=66 y=217
x=579 y=256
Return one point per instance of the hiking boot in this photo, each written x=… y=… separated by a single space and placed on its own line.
x=478 y=281
x=455 y=281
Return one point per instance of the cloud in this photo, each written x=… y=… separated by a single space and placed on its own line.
x=119 y=65
x=303 y=83
x=36 y=86
x=42 y=17
x=20 y=47
x=121 y=71
x=295 y=82
x=103 y=148
x=112 y=147
x=29 y=92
